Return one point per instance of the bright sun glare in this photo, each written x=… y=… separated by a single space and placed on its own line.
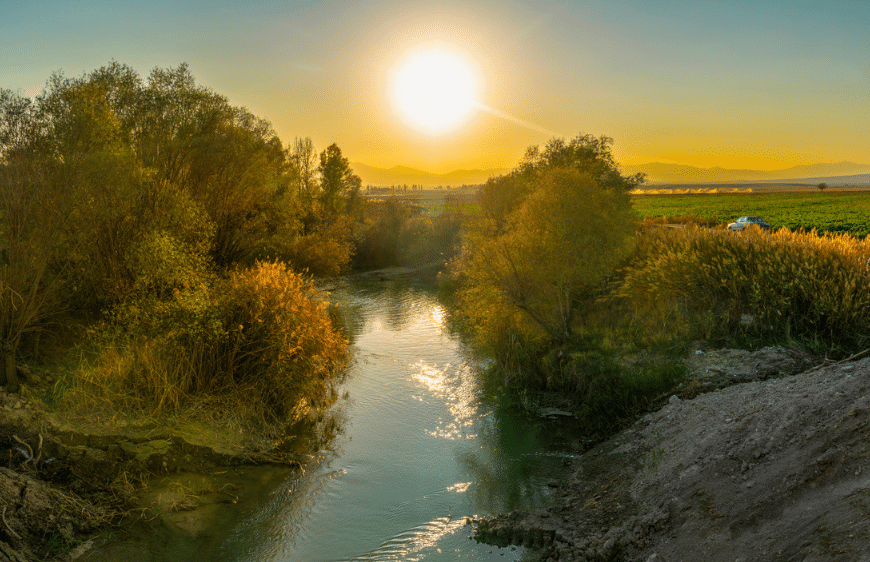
x=435 y=91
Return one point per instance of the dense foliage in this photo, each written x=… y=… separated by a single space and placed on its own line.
x=397 y=233
x=260 y=339
x=144 y=204
x=548 y=235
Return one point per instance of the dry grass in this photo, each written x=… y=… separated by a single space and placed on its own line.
x=789 y=285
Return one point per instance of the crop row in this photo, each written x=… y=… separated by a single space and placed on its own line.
x=826 y=212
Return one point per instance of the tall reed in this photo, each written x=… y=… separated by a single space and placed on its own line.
x=781 y=285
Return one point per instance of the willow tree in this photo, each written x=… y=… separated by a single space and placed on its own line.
x=550 y=232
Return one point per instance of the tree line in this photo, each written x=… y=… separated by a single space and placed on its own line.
x=137 y=204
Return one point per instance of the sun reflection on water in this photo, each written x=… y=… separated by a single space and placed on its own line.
x=438 y=314
x=460 y=392
x=459 y=487
x=408 y=546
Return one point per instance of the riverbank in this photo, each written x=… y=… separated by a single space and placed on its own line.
x=770 y=469
x=67 y=477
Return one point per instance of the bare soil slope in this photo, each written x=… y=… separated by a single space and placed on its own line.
x=775 y=469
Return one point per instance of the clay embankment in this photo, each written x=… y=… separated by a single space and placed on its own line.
x=62 y=479
x=775 y=469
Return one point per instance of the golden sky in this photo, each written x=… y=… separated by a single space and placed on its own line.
x=731 y=84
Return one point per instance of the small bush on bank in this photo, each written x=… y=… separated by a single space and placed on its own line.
x=378 y=238
x=326 y=251
x=604 y=391
x=609 y=394
x=261 y=340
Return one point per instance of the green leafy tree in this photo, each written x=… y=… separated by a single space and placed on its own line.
x=86 y=151
x=339 y=186
x=157 y=155
x=550 y=233
x=223 y=157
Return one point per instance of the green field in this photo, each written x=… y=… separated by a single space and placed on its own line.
x=826 y=212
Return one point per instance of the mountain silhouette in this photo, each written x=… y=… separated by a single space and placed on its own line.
x=401 y=175
x=658 y=172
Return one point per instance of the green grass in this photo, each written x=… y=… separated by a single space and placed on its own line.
x=826 y=212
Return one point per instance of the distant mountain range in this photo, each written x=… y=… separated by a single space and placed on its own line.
x=840 y=173
x=401 y=175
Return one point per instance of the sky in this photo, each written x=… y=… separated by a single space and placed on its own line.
x=736 y=84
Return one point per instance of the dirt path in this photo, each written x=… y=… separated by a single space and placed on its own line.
x=775 y=469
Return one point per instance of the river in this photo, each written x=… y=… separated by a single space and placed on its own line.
x=423 y=448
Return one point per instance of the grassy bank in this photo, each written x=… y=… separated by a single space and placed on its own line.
x=258 y=345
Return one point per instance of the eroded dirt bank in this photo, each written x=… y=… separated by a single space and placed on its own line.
x=775 y=469
x=62 y=479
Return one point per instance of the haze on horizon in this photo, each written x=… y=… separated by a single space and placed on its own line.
x=729 y=84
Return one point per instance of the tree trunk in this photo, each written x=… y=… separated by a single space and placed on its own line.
x=11 y=371
x=34 y=345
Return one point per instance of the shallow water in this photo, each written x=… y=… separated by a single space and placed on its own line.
x=423 y=449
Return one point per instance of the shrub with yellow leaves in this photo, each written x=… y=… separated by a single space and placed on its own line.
x=261 y=339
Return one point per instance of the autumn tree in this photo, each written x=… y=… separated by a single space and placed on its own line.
x=550 y=233
x=303 y=161
x=228 y=161
x=31 y=211
x=339 y=186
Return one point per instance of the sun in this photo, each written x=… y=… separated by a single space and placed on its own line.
x=435 y=91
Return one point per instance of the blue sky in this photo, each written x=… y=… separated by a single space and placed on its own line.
x=735 y=84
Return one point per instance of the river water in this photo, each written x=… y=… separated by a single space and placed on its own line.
x=423 y=449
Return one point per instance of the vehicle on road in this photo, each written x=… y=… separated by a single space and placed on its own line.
x=743 y=222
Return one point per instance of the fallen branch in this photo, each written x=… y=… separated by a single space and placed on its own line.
x=31 y=457
x=827 y=362
x=29 y=449
x=8 y=528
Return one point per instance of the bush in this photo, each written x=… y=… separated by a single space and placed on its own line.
x=261 y=339
x=326 y=251
x=609 y=394
x=378 y=240
x=415 y=244
x=604 y=391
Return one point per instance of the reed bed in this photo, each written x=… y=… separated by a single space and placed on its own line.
x=785 y=285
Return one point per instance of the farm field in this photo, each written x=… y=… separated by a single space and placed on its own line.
x=824 y=211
